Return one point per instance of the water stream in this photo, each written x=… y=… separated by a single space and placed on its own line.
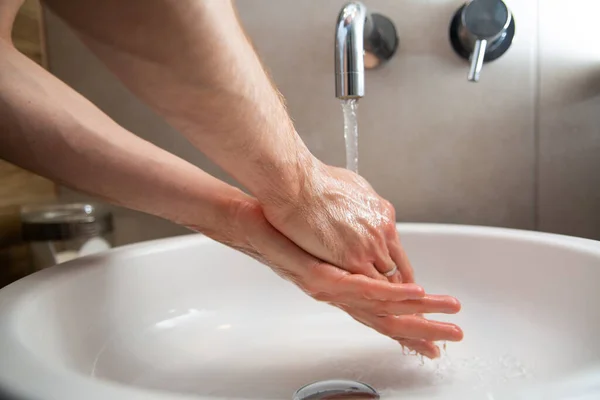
x=349 y=107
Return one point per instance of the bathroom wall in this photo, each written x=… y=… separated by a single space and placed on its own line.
x=569 y=118
x=519 y=149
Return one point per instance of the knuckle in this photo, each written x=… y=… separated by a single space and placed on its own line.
x=354 y=263
x=390 y=210
x=348 y=261
x=390 y=229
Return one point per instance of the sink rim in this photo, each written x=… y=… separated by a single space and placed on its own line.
x=17 y=363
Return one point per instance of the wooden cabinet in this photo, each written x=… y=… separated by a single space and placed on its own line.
x=17 y=186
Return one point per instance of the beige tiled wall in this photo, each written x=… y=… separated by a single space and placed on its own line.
x=569 y=118
x=440 y=148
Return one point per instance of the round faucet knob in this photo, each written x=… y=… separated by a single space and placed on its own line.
x=486 y=19
x=481 y=31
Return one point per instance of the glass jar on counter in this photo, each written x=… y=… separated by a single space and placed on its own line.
x=57 y=233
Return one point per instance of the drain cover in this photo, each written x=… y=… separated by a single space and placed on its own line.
x=336 y=389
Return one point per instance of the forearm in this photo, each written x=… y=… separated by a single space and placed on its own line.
x=191 y=62
x=48 y=128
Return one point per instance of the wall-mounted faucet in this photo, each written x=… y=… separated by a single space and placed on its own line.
x=481 y=31
x=362 y=40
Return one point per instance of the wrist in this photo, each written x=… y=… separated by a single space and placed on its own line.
x=288 y=178
x=237 y=219
x=218 y=216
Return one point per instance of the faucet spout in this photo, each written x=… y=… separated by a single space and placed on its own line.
x=362 y=40
x=349 y=48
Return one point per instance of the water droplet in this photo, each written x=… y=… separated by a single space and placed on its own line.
x=336 y=389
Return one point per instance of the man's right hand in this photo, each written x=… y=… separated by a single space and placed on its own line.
x=336 y=216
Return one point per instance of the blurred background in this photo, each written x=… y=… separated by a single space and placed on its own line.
x=519 y=149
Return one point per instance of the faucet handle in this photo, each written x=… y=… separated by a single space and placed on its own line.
x=477 y=59
x=481 y=31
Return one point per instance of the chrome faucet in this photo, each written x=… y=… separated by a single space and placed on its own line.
x=362 y=40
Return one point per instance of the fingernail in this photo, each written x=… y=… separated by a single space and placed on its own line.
x=458 y=334
x=456 y=305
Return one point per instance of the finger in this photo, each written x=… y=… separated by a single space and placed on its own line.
x=413 y=327
x=368 y=270
x=422 y=346
x=298 y=263
x=398 y=255
x=370 y=289
x=410 y=327
x=426 y=305
x=332 y=284
x=376 y=274
x=425 y=347
x=385 y=265
x=396 y=278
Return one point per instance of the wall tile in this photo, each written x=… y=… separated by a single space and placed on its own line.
x=569 y=125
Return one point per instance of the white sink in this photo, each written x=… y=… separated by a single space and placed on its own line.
x=187 y=318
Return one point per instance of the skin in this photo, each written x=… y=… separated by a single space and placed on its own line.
x=322 y=227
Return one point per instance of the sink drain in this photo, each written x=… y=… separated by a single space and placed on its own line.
x=336 y=389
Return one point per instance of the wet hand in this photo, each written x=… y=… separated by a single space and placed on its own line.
x=390 y=308
x=337 y=217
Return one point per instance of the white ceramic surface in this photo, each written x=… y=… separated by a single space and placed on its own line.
x=187 y=318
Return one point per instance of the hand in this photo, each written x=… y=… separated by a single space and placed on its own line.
x=387 y=307
x=337 y=217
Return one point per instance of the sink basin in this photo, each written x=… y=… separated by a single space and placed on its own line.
x=188 y=318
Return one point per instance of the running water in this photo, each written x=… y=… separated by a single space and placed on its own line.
x=351 y=133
